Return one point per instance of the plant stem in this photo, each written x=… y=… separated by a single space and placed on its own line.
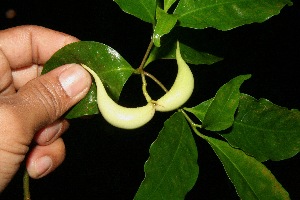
x=156 y=81
x=144 y=85
x=26 y=185
x=146 y=56
x=141 y=71
x=193 y=124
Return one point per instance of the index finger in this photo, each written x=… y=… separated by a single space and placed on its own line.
x=27 y=45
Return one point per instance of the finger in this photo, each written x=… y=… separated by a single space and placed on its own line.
x=44 y=159
x=27 y=45
x=49 y=96
x=6 y=83
x=22 y=75
x=44 y=100
x=50 y=133
x=23 y=47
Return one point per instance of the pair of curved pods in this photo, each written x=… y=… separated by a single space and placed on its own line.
x=131 y=118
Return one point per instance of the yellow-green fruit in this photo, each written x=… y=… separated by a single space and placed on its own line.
x=120 y=116
x=181 y=90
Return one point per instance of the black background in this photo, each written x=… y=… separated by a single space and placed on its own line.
x=103 y=162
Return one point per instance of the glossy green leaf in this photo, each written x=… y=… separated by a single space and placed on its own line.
x=143 y=9
x=190 y=55
x=200 y=110
x=226 y=14
x=164 y=24
x=87 y=106
x=110 y=66
x=168 y=4
x=251 y=178
x=220 y=114
x=265 y=130
x=171 y=170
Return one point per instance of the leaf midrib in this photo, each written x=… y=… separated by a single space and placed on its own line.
x=206 y=7
x=236 y=167
x=262 y=129
x=148 y=11
x=162 y=179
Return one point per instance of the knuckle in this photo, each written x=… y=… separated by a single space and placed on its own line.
x=46 y=96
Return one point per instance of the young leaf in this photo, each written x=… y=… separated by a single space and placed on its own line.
x=165 y=23
x=251 y=178
x=190 y=55
x=172 y=169
x=143 y=9
x=226 y=14
x=265 y=130
x=168 y=4
x=220 y=114
x=105 y=61
x=200 y=110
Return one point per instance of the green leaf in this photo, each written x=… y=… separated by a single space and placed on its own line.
x=168 y=4
x=251 y=178
x=200 y=110
x=265 y=130
x=109 y=65
x=190 y=55
x=164 y=24
x=87 y=106
x=143 y=9
x=171 y=170
x=220 y=114
x=226 y=14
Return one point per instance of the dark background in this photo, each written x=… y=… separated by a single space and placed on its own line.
x=103 y=162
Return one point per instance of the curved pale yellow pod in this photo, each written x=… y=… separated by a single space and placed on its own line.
x=181 y=90
x=120 y=116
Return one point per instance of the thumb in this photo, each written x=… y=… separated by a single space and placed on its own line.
x=46 y=98
x=38 y=103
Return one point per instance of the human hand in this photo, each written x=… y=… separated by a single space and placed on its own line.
x=30 y=106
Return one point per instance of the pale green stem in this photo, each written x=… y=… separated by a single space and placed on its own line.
x=193 y=125
x=144 y=88
x=146 y=56
x=141 y=71
x=156 y=81
x=26 y=189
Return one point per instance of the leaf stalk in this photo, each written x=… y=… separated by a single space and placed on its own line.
x=26 y=188
x=193 y=124
x=141 y=67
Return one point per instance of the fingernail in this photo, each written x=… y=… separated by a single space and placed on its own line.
x=42 y=165
x=74 y=80
x=47 y=134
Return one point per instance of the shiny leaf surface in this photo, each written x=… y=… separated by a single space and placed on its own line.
x=164 y=24
x=226 y=14
x=110 y=66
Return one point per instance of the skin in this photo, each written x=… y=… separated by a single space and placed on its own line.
x=31 y=105
x=119 y=116
x=181 y=90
